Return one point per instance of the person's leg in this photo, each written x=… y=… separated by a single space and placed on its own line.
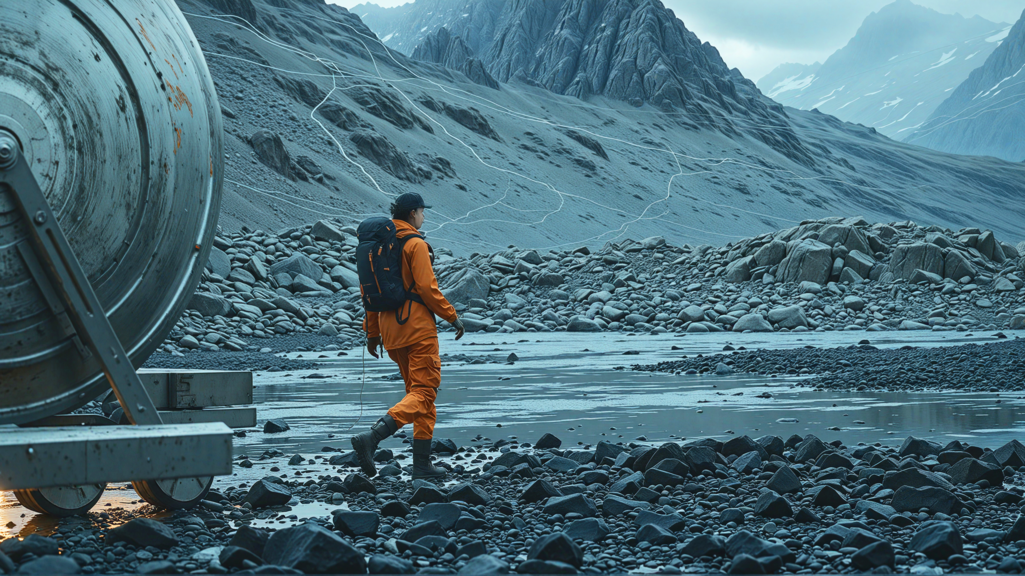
x=425 y=373
x=366 y=443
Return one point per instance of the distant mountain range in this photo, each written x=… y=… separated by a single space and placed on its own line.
x=904 y=61
x=985 y=115
x=581 y=122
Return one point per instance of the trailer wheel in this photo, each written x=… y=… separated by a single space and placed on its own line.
x=61 y=501
x=174 y=494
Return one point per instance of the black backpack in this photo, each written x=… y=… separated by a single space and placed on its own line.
x=379 y=266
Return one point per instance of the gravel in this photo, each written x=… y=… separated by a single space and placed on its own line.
x=718 y=511
x=991 y=367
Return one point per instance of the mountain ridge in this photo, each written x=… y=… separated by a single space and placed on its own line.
x=323 y=121
x=893 y=73
x=984 y=116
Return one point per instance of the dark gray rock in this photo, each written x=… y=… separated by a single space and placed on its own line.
x=556 y=547
x=772 y=505
x=314 y=550
x=35 y=544
x=587 y=529
x=937 y=540
x=270 y=150
x=264 y=493
x=143 y=532
x=353 y=523
x=574 y=503
x=936 y=500
x=382 y=152
x=874 y=555
x=389 y=564
x=485 y=564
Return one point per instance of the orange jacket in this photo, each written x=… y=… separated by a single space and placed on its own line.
x=420 y=325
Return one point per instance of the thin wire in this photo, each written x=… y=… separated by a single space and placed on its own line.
x=361 y=389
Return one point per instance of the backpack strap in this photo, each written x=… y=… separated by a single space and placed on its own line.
x=411 y=296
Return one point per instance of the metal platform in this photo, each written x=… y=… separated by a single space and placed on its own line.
x=45 y=457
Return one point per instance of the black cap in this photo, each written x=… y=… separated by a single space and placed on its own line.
x=410 y=201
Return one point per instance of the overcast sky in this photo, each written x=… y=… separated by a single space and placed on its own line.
x=757 y=35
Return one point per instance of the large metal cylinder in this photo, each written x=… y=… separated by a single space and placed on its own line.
x=113 y=106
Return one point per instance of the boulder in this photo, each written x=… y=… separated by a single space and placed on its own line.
x=347 y=278
x=788 y=317
x=313 y=550
x=936 y=500
x=467 y=285
x=355 y=524
x=143 y=532
x=772 y=505
x=264 y=493
x=556 y=547
x=325 y=230
x=209 y=305
x=859 y=262
x=574 y=503
x=582 y=324
x=908 y=258
x=744 y=542
x=270 y=150
x=485 y=564
x=938 y=540
x=296 y=264
x=806 y=260
x=956 y=266
x=771 y=254
x=784 y=481
x=754 y=322
x=382 y=152
x=587 y=529
x=846 y=236
x=218 y=263
x=970 y=471
x=692 y=313
x=739 y=270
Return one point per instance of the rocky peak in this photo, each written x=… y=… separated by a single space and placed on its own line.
x=985 y=114
x=442 y=47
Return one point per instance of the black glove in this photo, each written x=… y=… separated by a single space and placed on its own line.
x=373 y=345
x=460 y=329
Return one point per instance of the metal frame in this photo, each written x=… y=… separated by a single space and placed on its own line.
x=93 y=451
x=66 y=287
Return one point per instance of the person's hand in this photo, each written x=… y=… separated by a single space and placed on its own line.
x=373 y=344
x=458 y=325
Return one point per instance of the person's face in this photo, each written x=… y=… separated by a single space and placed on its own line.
x=417 y=217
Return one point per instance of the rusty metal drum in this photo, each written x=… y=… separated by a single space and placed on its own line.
x=112 y=104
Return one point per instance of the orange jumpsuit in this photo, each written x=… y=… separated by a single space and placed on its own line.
x=413 y=344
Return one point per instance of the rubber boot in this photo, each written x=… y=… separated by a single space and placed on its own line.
x=422 y=467
x=365 y=443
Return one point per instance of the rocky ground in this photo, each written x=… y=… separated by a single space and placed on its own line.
x=745 y=506
x=995 y=367
x=833 y=274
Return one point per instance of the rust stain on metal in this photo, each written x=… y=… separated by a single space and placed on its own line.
x=211 y=165
x=172 y=69
x=178 y=139
x=145 y=35
x=175 y=58
x=179 y=97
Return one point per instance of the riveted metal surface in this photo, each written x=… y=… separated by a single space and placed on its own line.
x=113 y=107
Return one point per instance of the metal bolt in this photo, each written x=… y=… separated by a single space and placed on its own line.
x=40 y=218
x=8 y=150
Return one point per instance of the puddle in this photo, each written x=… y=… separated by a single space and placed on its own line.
x=297 y=515
x=580 y=388
x=119 y=501
x=569 y=384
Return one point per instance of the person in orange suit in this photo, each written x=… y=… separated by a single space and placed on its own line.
x=411 y=339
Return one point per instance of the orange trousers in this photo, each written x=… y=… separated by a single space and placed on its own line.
x=420 y=366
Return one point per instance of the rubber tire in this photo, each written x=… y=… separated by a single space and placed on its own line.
x=36 y=500
x=151 y=492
